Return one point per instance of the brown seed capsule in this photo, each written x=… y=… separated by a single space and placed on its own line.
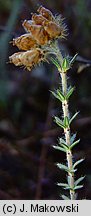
x=46 y=13
x=25 y=42
x=39 y=19
x=38 y=32
x=53 y=29
x=27 y=59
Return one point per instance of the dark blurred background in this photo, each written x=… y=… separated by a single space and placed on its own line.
x=27 y=130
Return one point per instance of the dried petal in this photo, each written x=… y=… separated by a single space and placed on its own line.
x=39 y=19
x=46 y=13
x=38 y=32
x=25 y=42
x=53 y=29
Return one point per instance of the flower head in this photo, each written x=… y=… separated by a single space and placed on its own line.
x=41 y=31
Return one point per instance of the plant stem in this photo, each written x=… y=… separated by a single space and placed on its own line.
x=67 y=136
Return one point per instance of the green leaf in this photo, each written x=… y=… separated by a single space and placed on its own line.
x=66 y=147
x=68 y=188
x=74 y=143
x=59 y=148
x=63 y=184
x=65 y=197
x=68 y=179
x=73 y=117
x=66 y=122
x=54 y=94
x=60 y=95
x=63 y=167
x=63 y=144
x=73 y=59
x=56 y=63
x=59 y=122
x=61 y=140
x=72 y=170
x=65 y=65
x=73 y=138
x=78 y=187
x=78 y=162
x=79 y=180
x=69 y=93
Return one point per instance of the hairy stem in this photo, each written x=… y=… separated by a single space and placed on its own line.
x=67 y=136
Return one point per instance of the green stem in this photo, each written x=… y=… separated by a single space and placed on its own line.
x=67 y=136
x=67 y=130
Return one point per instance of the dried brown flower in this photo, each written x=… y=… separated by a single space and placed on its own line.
x=39 y=19
x=27 y=59
x=25 y=42
x=29 y=21
x=53 y=29
x=46 y=13
x=16 y=58
x=38 y=32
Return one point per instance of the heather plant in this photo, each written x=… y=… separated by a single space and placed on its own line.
x=38 y=44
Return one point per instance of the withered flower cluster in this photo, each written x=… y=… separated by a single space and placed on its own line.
x=41 y=30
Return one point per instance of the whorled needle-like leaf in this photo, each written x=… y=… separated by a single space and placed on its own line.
x=66 y=147
x=74 y=143
x=79 y=180
x=63 y=145
x=59 y=148
x=60 y=95
x=66 y=122
x=65 y=197
x=68 y=180
x=54 y=94
x=68 y=188
x=69 y=93
x=61 y=140
x=73 y=117
x=63 y=184
x=56 y=63
x=78 y=187
x=65 y=65
x=59 y=122
x=78 y=162
x=72 y=170
x=63 y=167
x=72 y=138
x=73 y=59
x=74 y=188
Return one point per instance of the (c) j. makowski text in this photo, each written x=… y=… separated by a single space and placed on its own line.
x=53 y=208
